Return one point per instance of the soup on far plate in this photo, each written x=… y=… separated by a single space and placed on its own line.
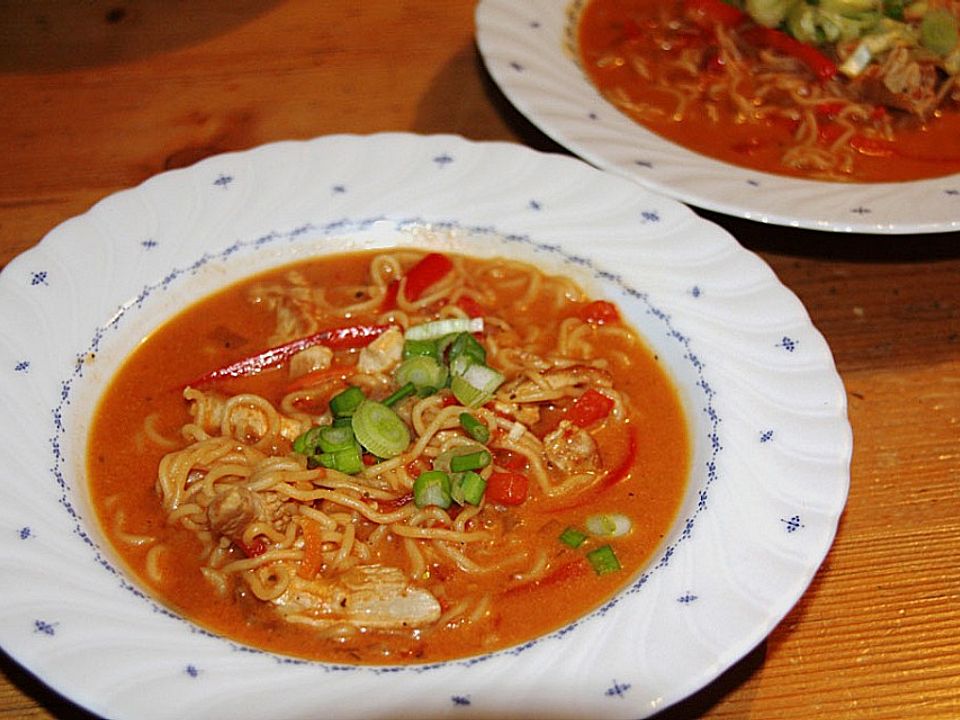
x=839 y=90
x=389 y=457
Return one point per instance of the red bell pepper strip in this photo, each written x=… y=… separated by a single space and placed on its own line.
x=621 y=471
x=821 y=66
x=715 y=11
x=344 y=338
x=507 y=488
x=429 y=269
x=389 y=301
x=589 y=408
x=569 y=572
x=471 y=307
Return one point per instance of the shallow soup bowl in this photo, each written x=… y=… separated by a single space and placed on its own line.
x=770 y=442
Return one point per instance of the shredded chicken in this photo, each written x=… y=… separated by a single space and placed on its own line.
x=526 y=413
x=375 y=596
x=901 y=82
x=317 y=357
x=549 y=385
x=383 y=354
x=232 y=510
x=571 y=448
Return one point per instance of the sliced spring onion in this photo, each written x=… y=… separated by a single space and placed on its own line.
x=335 y=438
x=476 y=386
x=379 y=429
x=893 y=9
x=603 y=560
x=470 y=461
x=608 y=524
x=347 y=460
x=474 y=428
x=442 y=461
x=432 y=487
x=466 y=346
x=400 y=394
x=343 y=404
x=415 y=348
x=571 y=537
x=422 y=371
x=459 y=364
x=438 y=328
x=306 y=443
x=467 y=488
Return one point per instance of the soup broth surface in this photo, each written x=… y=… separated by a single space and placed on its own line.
x=259 y=542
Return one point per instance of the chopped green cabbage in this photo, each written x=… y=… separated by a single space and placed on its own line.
x=770 y=12
x=938 y=31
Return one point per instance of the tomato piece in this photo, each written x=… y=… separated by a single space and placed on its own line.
x=589 y=408
x=509 y=460
x=507 y=488
x=600 y=312
x=255 y=549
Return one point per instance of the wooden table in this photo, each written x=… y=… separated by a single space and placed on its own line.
x=98 y=96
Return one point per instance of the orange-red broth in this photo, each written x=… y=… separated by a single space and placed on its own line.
x=920 y=150
x=222 y=328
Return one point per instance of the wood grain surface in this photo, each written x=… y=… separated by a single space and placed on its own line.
x=98 y=96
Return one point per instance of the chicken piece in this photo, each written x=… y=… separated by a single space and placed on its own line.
x=232 y=510
x=526 y=413
x=902 y=83
x=552 y=384
x=383 y=354
x=373 y=596
x=571 y=449
x=316 y=357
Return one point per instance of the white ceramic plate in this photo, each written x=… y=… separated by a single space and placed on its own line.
x=529 y=49
x=766 y=409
